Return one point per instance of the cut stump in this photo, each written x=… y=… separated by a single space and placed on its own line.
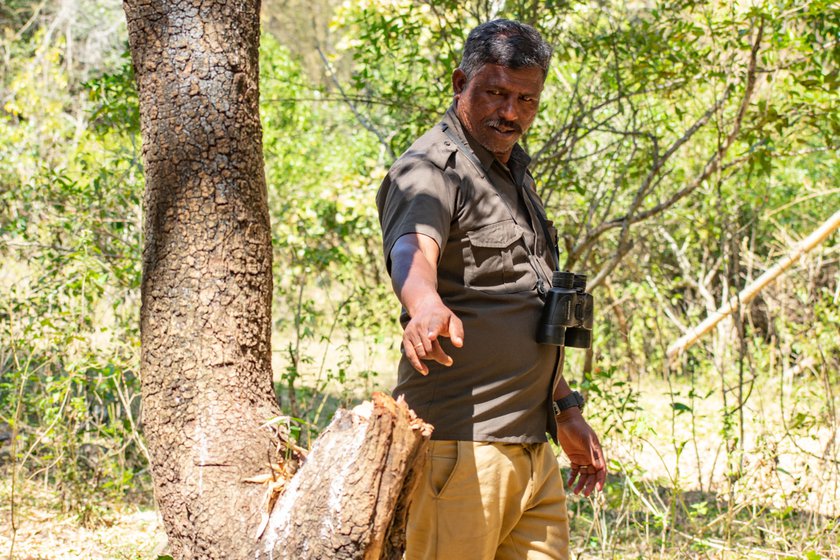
x=349 y=500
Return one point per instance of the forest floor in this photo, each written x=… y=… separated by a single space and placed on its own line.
x=120 y=532
x=666 y=498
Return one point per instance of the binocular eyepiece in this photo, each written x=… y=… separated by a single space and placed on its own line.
x=566 y=318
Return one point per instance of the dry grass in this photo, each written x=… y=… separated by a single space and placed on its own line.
x=122 y=532
x=674 y=493
x=669 y=494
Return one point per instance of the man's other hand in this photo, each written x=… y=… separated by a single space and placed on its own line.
x=581 y=445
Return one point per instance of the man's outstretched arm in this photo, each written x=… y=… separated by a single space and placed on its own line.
x=414 y=260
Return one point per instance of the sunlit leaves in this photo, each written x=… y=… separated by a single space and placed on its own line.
x=70 y=240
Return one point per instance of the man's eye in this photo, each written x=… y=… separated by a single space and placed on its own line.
x=494 y=92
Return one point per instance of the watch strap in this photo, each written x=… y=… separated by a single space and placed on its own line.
x=572 y=399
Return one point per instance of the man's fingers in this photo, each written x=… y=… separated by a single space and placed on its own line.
x=456 y=331
x=591 y=481
x=601 y=478
x=585 y=483
x=581 y=483
x=421 y=341
x=599 y=463
x=452 y=328
x=573 y=473
x=421 y=349
x=415 y=352
x=437 y=354
x=598 y=456
x=586 y=478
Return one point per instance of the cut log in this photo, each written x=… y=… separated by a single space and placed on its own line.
x=349 y=499
x=747 y=294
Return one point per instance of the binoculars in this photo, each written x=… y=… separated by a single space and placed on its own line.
x=566 y=318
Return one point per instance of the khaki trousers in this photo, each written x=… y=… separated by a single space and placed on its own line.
x=486 y=501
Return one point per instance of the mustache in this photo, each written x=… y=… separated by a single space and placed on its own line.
x=502 y=123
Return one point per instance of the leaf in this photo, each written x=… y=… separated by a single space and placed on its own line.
x=801 y=420
x=679 y=408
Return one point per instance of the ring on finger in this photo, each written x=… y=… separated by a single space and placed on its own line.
x=418 y=345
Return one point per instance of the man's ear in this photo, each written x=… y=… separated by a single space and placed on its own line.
x=459 y=81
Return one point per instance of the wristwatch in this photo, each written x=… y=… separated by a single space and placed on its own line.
x=572 y=399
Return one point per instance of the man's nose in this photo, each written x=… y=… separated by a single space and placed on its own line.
x=507 y=110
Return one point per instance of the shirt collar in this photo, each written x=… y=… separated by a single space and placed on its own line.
x=518 y=162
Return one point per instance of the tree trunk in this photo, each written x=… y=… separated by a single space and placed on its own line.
x=350 y=498
x=207 y=286
x=206 y=319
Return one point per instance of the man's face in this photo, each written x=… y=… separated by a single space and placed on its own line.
x=498 y=104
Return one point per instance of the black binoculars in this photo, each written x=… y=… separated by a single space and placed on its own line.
x=566 y=318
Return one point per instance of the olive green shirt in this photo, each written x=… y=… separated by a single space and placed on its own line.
x=493 y=253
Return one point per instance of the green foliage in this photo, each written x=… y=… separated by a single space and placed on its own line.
x=330 y=304
x=402 y=61
x=675 y=170
x=70 y=240
x=114 y=96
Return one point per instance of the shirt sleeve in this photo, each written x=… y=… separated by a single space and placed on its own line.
x=415 y=197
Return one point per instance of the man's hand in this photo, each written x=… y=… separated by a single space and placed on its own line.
x=414 y=276
x=579 y=441
x=431 y=319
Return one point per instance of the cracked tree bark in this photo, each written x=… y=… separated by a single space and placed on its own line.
x=206 y=312
x=206 y=289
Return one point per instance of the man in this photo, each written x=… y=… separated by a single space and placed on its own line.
x=470 y=253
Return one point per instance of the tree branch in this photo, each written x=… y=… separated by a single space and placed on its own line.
x=748 y=293
x=712 y=165
x=362 y=120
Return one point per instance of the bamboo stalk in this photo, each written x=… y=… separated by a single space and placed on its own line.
x=748 y=294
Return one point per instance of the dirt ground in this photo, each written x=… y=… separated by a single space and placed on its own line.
x=42 y=534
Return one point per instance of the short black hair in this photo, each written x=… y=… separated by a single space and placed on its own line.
x=507 y=43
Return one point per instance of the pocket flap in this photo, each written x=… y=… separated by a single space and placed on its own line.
x=496 y=236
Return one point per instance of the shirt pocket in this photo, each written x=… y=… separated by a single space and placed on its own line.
x=496 y=260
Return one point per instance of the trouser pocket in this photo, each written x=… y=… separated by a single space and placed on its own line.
x=443 y=460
